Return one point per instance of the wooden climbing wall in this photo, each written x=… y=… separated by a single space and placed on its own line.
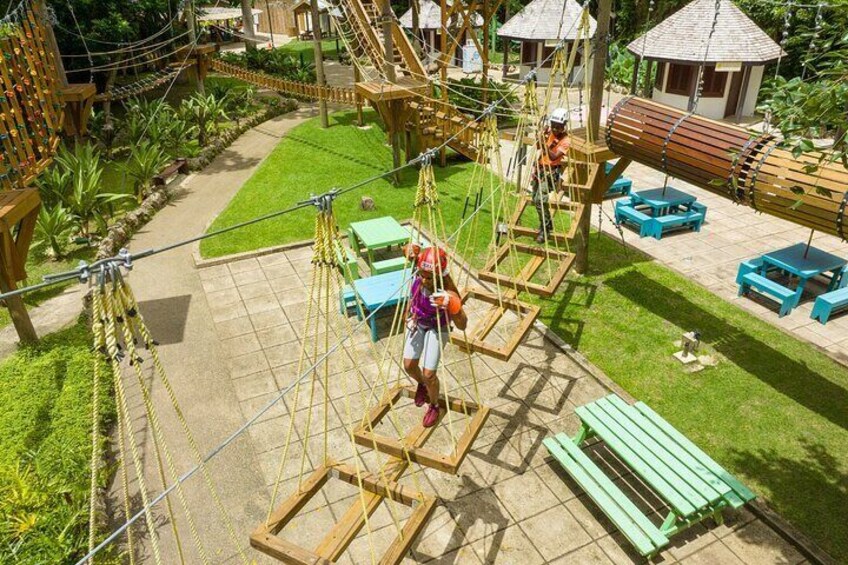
x=31 y=111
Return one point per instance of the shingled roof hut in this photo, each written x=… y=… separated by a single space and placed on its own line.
x=735 y=58
x=539 y=26
x=430 y=28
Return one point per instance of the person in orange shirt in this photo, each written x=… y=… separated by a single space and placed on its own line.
x=548 y=169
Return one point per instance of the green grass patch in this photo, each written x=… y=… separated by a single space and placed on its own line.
x=45 y=448
x=305 y=49
x=773 y=408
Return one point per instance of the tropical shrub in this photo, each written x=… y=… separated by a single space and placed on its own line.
x=202 y=111
x=145 y=162
x=53 y=185
x=274 y=62
x=85 y=197
x=53 y=229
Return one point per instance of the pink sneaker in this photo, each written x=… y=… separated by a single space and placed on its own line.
x=420 y=395
x=431 y=417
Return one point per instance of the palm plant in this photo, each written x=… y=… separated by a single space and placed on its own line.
x=86 y=198
x=146 y=161
x=53 y=230
x=203 y=110
x=53 y=185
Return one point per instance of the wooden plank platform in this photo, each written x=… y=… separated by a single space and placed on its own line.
x=475 y=339
x=448 y=463
x=522 y=281
x=266 y=539
x=379 y=91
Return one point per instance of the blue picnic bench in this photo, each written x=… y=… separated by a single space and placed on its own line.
x=621 y=186
x=692 y=484
x=797 y=261
x=627 y=212
x=828 y=303
x=376 y=292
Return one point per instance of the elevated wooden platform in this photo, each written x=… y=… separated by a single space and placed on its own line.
x=380 y=91
x=78 y=100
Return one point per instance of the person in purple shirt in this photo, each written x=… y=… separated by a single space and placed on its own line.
x=433 y=306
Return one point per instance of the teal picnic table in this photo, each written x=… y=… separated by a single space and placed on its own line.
x=805 y=262
x=663 y=200
x=692 y=485
x=378 y=233
x=382 y=291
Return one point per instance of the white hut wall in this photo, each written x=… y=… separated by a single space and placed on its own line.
x=679 y=84
x=754 y=83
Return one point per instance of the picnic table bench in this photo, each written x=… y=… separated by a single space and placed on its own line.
x=799 y=261
x=378 y=233
x=692 y=484
x=660 y=210
x=378 y=292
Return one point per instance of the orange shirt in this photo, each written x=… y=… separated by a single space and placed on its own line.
x=552 y=144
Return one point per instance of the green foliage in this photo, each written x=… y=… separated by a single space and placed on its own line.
x=621 y=64
x=145 y=162
x=467 y=95
x=45 y=448
x=274 y=62
x=85 y=196
x=202 y=111
x=53 y=229
x=156 y=121
x=8 y=30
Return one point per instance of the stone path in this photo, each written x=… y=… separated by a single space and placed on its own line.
x=510 y=502
x=731 y=234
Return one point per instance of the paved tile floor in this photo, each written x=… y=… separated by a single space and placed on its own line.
x=731 y=234
x=510 y=503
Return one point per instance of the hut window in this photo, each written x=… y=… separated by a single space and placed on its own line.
x=547 y=57
x=679 y=79
x=714 y=83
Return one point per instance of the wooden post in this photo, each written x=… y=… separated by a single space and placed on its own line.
x=388 y=41
x=194 y=75
x=443 y=69
x=596 y=97
x=357 y=77
x=18 y=313
x=486 y=18
x=38 y=8
x=506 y=42
x=415 y=6
x=319 y=62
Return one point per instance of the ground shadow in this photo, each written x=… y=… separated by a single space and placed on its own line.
x=575 y=294
x=784 y=374
x=817 y=474
x=166 y=317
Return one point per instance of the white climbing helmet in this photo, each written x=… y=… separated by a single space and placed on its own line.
x=559 y=116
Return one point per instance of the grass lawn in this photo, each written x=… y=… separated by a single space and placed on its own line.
x=299 y=48
x=45 y=448
x=772 y=411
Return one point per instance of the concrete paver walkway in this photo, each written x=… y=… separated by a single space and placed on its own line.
x=731 y=234
x=510 y=501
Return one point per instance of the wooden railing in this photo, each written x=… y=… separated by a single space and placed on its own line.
x=439 y=122
x=336 y=94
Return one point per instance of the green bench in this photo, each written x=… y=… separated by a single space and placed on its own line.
x=388 y=265
x=692 y=485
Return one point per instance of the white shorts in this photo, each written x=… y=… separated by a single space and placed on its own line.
x=423 y=343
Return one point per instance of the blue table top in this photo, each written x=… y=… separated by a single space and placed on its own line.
x=791 y=259
x=655 y=198
x=374 y=291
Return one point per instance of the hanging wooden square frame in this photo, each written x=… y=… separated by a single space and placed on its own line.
x=521 y=282
x=265 y=538
x=475 y=338
x=403 y=449
x=554 y=237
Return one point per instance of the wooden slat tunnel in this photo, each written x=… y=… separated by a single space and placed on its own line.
x=749 y=168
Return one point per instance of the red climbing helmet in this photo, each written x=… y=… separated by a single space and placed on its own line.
x=427 y=260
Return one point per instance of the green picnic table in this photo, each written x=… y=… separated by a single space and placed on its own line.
x=692 y=485
x=376 y=234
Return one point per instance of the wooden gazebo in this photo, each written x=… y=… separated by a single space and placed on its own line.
x=303 y=18
x=735 y=58
x=539 y=26
x=430 y=28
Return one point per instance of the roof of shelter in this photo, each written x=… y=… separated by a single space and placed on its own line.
x=323 y=6
x=430 y=16
x=220 y=13
x=683 y=36
x=542 y=20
